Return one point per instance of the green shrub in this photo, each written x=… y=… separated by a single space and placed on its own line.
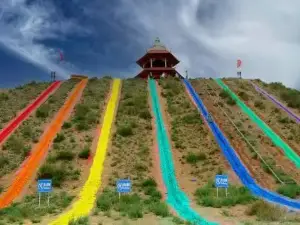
x=230 y=101
x=243 y=95
x=289 y=190
x=59 y=138
x=284 y=120
x=14 y=144
x=193 y=158
x=43 y=111
x=224 y=94
x=145 y=115
x=259 y=104
x=159 y=209
x=67 y=125
x=81 y=112
x=50 y=171
x=206 y=196
x=64 y=155
x=124 y=130
x=3 y=161
x=85 y=153
x=80 y=221
x=192 y=118
x=82 y=125
x=150 y=182
x=264 y=211
x=4 y=97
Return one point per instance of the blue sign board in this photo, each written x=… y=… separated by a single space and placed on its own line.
x=44 y=186
x=123 y=186
x=221 y=181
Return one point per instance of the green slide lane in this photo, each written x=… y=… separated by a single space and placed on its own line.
x=176 y=198
x=288 y=151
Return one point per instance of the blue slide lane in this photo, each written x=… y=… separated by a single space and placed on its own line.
x=176 y=198
x=234 y=161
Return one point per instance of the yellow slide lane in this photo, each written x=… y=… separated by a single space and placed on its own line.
x=87 y=196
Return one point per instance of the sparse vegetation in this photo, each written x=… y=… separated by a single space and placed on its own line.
x=130 y=154
x=206 y=196
x=18 y=146
x=264 y=211
x=73 y=144
x=14 y=100
x=133 y=205
x=28 y=209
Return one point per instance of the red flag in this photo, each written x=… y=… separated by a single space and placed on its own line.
x=239 y=63
x=61 y=55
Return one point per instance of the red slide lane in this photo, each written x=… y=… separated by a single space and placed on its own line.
x=28 y=110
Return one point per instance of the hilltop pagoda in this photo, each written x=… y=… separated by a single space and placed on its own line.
x=158 y=62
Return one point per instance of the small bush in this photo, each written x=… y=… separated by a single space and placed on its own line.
x=159 y=209
x=230 y=101
x=67 y=125
x=65 y=155
x=145 y=115
x=243 y=95
x=59 y=138
x=289 y=190
x=284 y=120
x=80 y=221
x=192 y=118
x=206 y=196
x=3 y=97
x=43 y=111
x=82 y=125
x=125 y=131
x=85 y=153
x=224 y=94
x=149 y=183
x=264 y=211
x=50 y=171
x=259 y=104
x=81 y=112
x=14 y=144
x=194 y=158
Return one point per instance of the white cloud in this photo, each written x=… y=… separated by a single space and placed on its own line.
x=23 y=26
x=209 y=35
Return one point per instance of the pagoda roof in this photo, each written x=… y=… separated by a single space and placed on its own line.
x=158 y=48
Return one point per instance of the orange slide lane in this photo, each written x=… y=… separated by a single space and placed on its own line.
x=39 y=151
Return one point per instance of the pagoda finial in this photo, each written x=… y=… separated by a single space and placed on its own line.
x=157 y=41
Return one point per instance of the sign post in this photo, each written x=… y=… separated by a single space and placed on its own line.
x=221 y=181
x=44 y=186
x=123 y=186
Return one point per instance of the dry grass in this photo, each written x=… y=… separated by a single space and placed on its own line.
x=191 y=138
x=132 y=141
x=19 y=144
x=16 y=99
x=72 y=147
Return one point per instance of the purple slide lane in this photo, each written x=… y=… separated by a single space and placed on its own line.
x=274 y=100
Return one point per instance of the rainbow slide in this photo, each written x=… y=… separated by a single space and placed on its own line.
x=31 y=164
x=288 y=151
x=88 y=195
x=176 y=198
x=234 y=161
x=276 y=102
x=6 y=131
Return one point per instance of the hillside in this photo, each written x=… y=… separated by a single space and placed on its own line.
x=88 y=134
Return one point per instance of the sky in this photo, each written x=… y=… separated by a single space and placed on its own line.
x=100 y=37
